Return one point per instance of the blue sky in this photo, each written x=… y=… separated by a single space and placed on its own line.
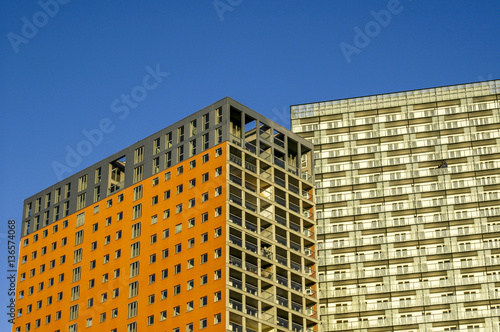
x=66 y=72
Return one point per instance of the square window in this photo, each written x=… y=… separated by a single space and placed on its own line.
x=218 y=152
x=153 y=239
x=217 y=296
x=166 y=214
x=152 y=258
x=203 y=323
x=177 y=312
x=190 y=263
x=164 y=253
x=217 y=253
x=164 y=294
x=152 y=278
x=151 y=299
x=192 y=164
x=192 y=203
x=93 y=246
x=154 y=200
x=156 y=180
x=164 y=273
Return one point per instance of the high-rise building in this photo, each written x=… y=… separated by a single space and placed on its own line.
x=206 y=225
x=408 y=208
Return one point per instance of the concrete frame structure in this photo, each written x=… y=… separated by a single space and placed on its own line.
x=408 y=208
x=206 y=225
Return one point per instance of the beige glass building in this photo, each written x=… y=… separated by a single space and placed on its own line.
x=407 y=188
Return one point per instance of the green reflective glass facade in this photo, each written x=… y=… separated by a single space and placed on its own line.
x=408 y=201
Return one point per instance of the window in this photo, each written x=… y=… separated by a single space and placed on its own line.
x=192 y=202
x=178 y=228
x=218 y=135
x=116 y=292
x=120 y=198
x=164 y=294
x=164 y=273
x=67 y=190
x=178 y=208
x=218 y=152
x=168 y=140
x=156 y=146
x=106 y=259
x=152 y=278
x=217 y=318
x=189 y=327
x=177 y=289
x=132 y=309
x=118 y=253
x=192 y=183
x=118 y=235
x=204 y=258
x=78 y=237
x=217 y=253
x=177 y=311
x=134 y=269
x=192 y=164
x=180 y=134
x=138 y=173
x=204 y=177
x=152 y=258
x=154 y=200
x=217 y=296
x=151 y=320
x=205 y=141
x=205 y=157
x=217 y=274
x=203 y=301
x=190 y=284
x=92 y=264
x=105 y=277
x=179 y=189
x=203 y=279
x=168 y=162
x=218 y=171
x=203 y=323
x=180 y=156
x=108 y=221
x=206 y=121
x=218 y=115
x=163 y=315
x=204 y=217
x=218 y=232
x=191 y=243
x=102 y=317
x=116 y=273
x=166 y=233
x=77 y=272
x=80 y=204
x=191 y=222
x=177 y=269
x=190 y=263
x=204 y=197
x=189 y=306
x=168 y=175
x=218 y=191
x=151 y=299
x=77 y=256
x=178 y=248
x=139 y=155
x=136 y=211
x=114 y=313
x=218 y=211
x=166 y=194
x=137 y=192
x=153 y=239
x=107 y=239
x=204 y=237
x=104 y=297
x=166 y=214
x=109 y=203
x=135 y=249
x=119 y=216
x=133 y=289
x=192 y=149
x=136 y=230
x=82 y=182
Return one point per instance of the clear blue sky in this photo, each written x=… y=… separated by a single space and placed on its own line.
x=66 y=71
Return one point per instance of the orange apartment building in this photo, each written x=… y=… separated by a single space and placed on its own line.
x=207 y=225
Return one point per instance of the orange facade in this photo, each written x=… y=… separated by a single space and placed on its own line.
x=47 y=275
